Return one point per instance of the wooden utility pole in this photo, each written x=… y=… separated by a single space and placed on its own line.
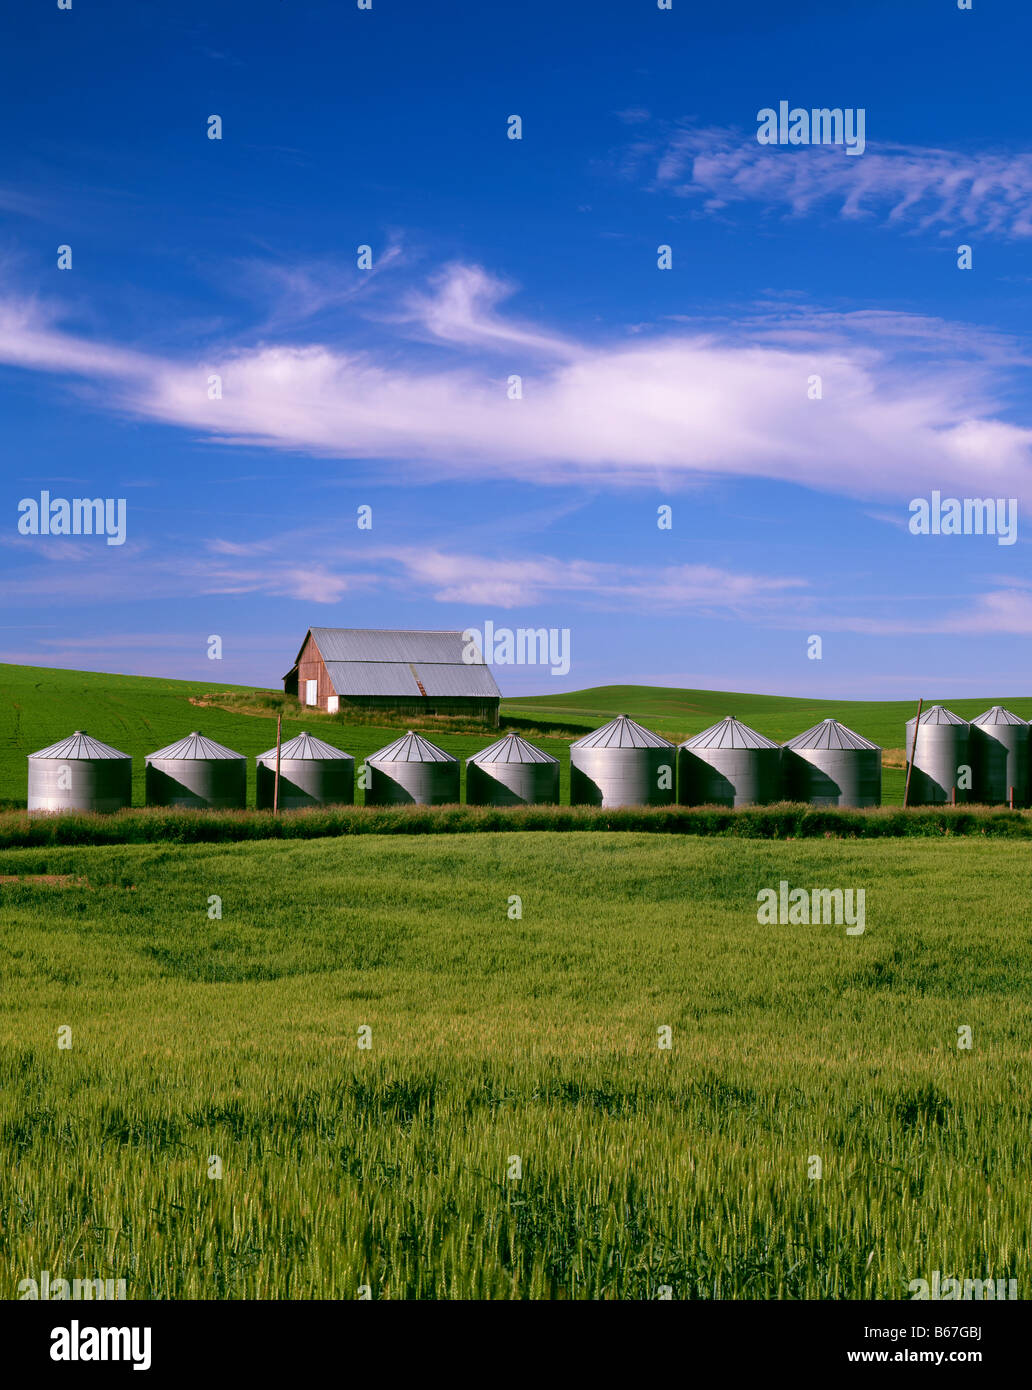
x=910 y=760
x=275 y=785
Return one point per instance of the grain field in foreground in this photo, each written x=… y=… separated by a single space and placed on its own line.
x=497 y=1038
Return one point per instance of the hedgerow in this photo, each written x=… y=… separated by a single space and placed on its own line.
x=785 y=821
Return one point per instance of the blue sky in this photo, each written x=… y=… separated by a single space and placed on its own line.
x=388 y=387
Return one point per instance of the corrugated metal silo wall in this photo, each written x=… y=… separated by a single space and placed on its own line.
x=306 y=782
x=216 y=783
x=512 y=784
x=942 y=750
x=1000 y=758
x=729 y=776
x=80 y=784
x=832 y=776
x=622 y=776
x=425 y=784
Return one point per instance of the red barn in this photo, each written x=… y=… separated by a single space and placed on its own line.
x=406 y=673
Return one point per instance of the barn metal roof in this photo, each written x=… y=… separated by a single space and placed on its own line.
x=392 y=678
x=371 y=678
x=195 y=747
x=391 y=662
x=829 y=733
x=306 y=746
x=381 y=644
x=411 y=748
x=375 y=644
x=512 y=749
x=729 y=733
x=939 y=714
x=457 y=680
x=79 y=746
x=622 y=732
x=998 y=715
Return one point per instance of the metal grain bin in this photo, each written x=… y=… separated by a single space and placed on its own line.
x=622 y=764
x=943 y=751
x=412 y=769
x=830 y=765
x=728 y=764
x=1000 y=757
x=199 y=773
x=312 y=773
x=512 y=772
x=80 y=774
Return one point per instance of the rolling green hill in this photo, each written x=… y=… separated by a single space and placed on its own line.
x=678 y=714
x=140 y=714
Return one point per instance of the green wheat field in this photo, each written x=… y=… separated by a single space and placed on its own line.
x=504 y=1045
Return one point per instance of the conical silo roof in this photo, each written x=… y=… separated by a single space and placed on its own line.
x=79 y=746
x=829 y=733
x=411 y=748
x=622 y=732
x=512 y=749
x=196 y=748
x=307 y=747
x=939 y=714
x=999 y=715
x=729 y=733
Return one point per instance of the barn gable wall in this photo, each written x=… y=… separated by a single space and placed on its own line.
x=311 y=667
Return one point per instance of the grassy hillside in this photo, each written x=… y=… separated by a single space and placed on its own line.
x=140 y=714
x=493 y=1038
x=680 y=713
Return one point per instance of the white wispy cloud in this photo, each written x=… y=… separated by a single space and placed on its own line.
x=270 y=567
x=1000 y=612
x=530 y=580
x=57 y=572
x=461 y=309
x=906 y=185
x=12 y=200
x=676 y=403
x=300 y=292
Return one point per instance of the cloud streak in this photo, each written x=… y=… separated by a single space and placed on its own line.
x=677 y=403
x=269 y=567
x=906 y=185
x=527 y=581
x=473 y=582
x=1001 y=613
x=303 y=291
